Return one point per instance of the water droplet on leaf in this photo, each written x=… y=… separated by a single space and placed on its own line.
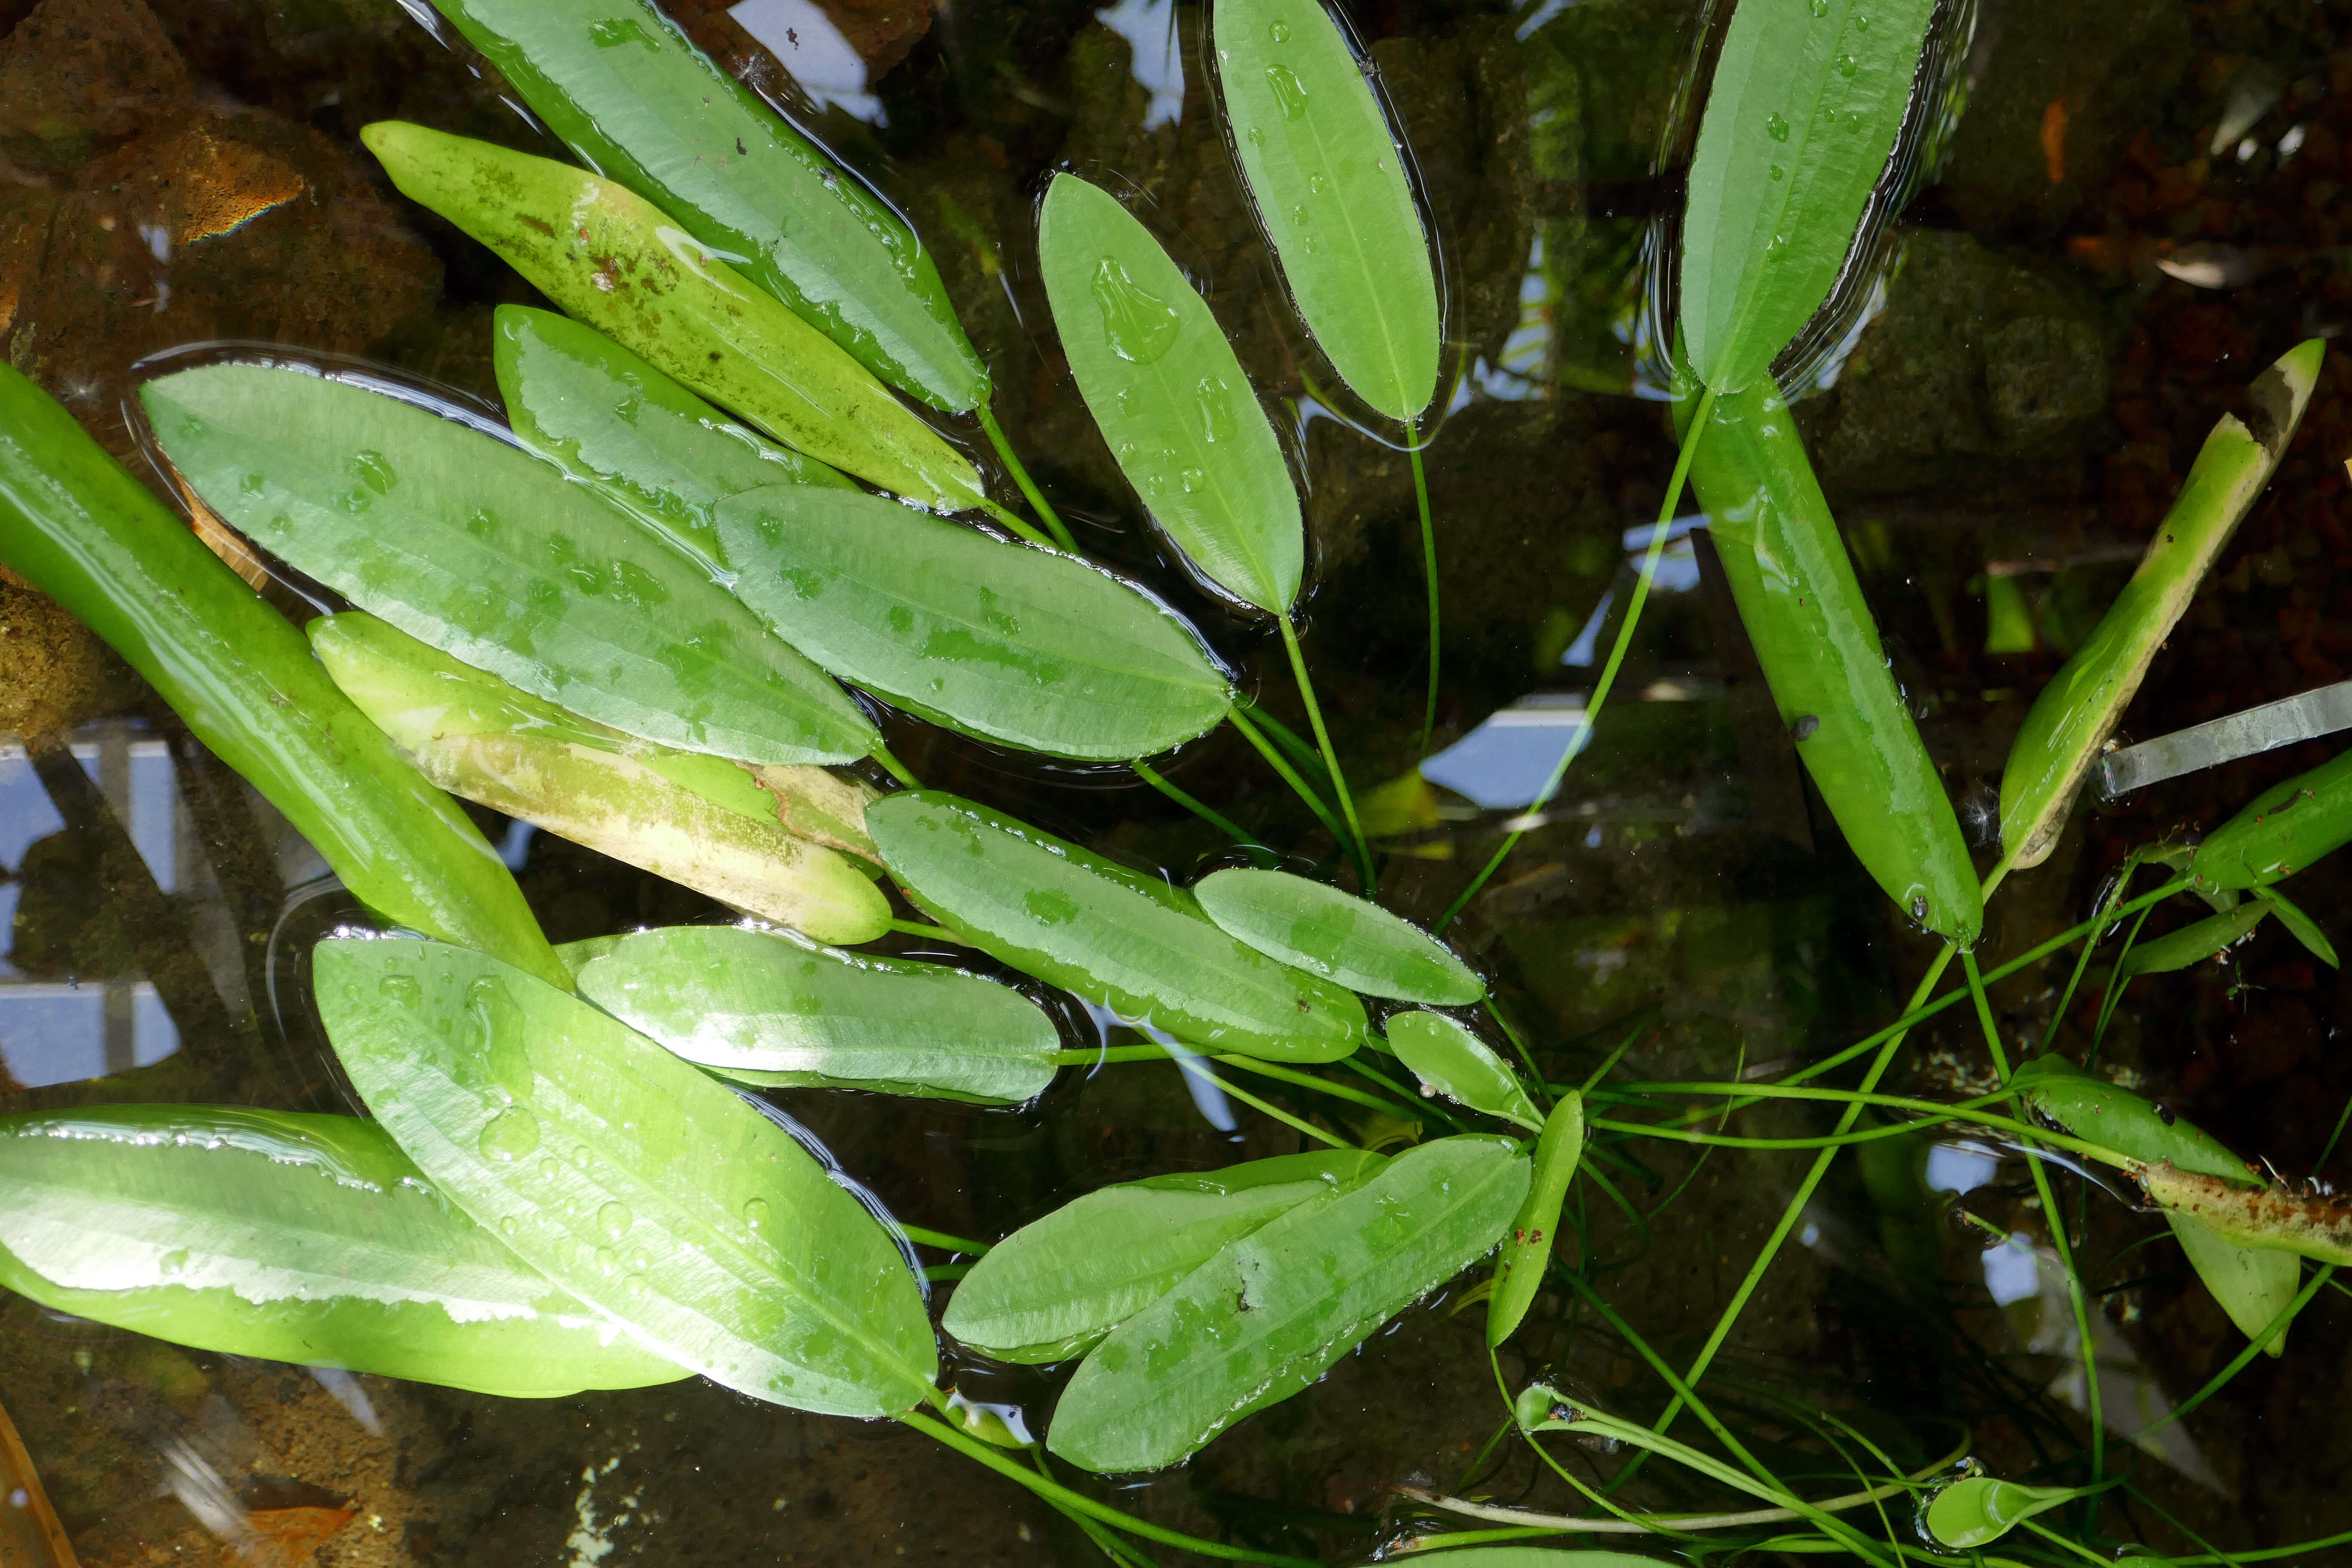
x=511 y=1135
x=1848 y=65
x=400 y=990
x=1776 y=127
x=1280 y=33
x=1216 y=409
x=1139 y=327
x=1288 y=91
x=755 y=1212
x=614 y=1220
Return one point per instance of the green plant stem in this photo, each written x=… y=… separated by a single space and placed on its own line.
x=894 y=767
x=1933 y=1111
x=1017 y=523
x=943 y=1241
x=1624 y=1330
x=2238 y=1362
x=1429 y=571
x=1355 y=838
x=1028 y=486
x=1264 y=1107
x=1054 y=1492
x=1617 y=650
x=1107 y=1054
x=928 y=933
x=1301 y=750
x=1320 y=1085
x=1210 y=814
x=1535 y=1074
x=1289 y=775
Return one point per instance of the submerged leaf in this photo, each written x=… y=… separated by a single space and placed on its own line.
x=771 y=1009
x=2282 y=830
x=288 y=1236
x=1047 y=909
x=1342 y=937
x=1324 y=168
x=496 y=559
x=696 y=819
x=1980 y=1510
x=622 y=85
x=1801 y=114
x=1054 y=1287
x=1169 y=397
x=629 y=1177
x=1271 y=1313
x=2193 y=943
x=2301 y=926
x=1451 y=1061
x=1526 y=1252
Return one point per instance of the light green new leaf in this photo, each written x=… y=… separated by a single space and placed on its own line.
x=621 y=84
x=1980 y=1510
x=698 y=820
x=1801 y=117
x=1526 y=1252
x=614 y=259
x=290 y=1237
x=2072 y=719
x=1047 y=909
x=1027 y=647
x=2282 y=830
x=1054 y=1287
x=1451 y=1061
x=1323 y=166
x=1169 y=397
x=630 y=1178
x=1271 y=1313
x=772 y=1009
x=2193 y=943
x=1337 y=935
x=496 y=559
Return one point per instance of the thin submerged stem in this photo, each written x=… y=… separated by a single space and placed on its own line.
x=943 y=1241
x=1301 y=750
x=928 y=933
x=1017 y=523
x=1289 y=775
x=1028 y=486
x=1355 y=839
x=1429 y=571
x=1207 y=814
x=893 y=766
x=1602 y=688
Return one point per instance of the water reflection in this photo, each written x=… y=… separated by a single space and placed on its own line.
x=812 y=48
x=1150 y=28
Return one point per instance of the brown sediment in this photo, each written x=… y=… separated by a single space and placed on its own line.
x=54 y=671
x=2266 y=1220
x=29 y=1530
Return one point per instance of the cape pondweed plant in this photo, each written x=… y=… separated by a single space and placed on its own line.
x=628 y=618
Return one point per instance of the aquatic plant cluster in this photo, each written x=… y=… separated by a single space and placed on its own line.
x=639 y=616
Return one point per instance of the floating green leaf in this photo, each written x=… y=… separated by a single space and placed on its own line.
x=1169 y=397
x=611 y=258
x=495 y=558
x=1334 y=935
x=1801 y=114
x=291 y=1237
x=1027 y=647
x=606 y=417
x=630 y=1178
x=699 y=820
x=622 y=85
x=2070 y=721
x=2193 y=943
x=1272 y=1312
x=1803 y=609
x=79 y=528
x=1324 y=167
x=1527 y=1251
x=1054 y=1287
x=2282 y=831
x=1047 y=909
x=1980 y=1510
x=772 y=1009
x=1451 y=1061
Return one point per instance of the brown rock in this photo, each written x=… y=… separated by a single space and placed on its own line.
x=54 y=672
x=77 y=75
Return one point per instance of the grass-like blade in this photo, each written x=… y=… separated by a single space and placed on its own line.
x=1450 y=1060
x=1031 y=900
x=774 y=1009
x=1539 y=1557
x=1271 y=1313
x=1169 y=397
x=1057 y=1286
x=291 y=1237
x=1323 y=166
x=1025 y=647
x=698 y=820
x=624 y=88
x=631 y=1178
x=1337 y=935
x=496 y=559
x=2070 y=720
x=1527 y=1251
x=1979 y=1510
x=1801 y=117
x=611 y=258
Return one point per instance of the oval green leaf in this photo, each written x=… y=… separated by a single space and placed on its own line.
x=1271 y=1313
x=698 y=820
x=1801 y=117
x=1169 y=397
x=1029 y=899
x=629 y=1177
x=774 y=1010
x=624 y=87
x=496 y=559
x=2075 y=713
x=1527 y=1251
x=2193 y=943
x=1054 y=1287
x=1451 y=1061
x=291 y=1237
x=1337 y=935
x=1324 y=167
x=611 y=258
x=2301 y=926
x=2282 y=831
x=1980 y=1510
x=1013 y=644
